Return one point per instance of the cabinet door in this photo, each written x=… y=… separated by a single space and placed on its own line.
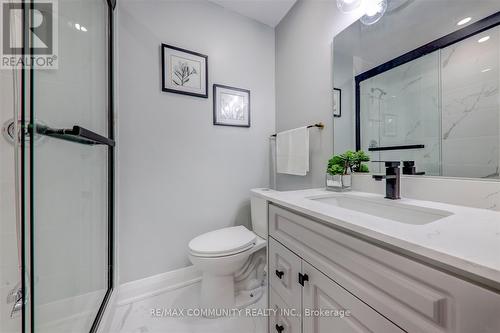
x=284 y=269
x=321 y=293
x=283 y=318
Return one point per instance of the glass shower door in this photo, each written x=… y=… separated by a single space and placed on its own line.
x=71 y=169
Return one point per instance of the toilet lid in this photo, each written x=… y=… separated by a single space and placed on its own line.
x=223 y=241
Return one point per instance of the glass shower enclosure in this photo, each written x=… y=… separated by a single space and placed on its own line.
x=57 y=172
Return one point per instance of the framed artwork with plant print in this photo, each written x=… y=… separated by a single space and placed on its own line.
x=231 y=106
x=184 y=72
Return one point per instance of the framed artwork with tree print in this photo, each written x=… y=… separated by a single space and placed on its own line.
x=184 y=72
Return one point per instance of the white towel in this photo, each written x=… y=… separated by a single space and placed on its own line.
x=292 y=151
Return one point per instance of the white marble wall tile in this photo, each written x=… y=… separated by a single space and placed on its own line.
x=471 y=106
x=471 y=157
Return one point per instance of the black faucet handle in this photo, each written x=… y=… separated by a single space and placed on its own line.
x=408 y=163
x=390 y=164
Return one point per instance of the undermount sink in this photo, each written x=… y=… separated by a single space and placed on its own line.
x=384 y=208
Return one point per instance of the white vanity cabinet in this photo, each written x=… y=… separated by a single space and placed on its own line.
x=384 y=291
x=298 y=289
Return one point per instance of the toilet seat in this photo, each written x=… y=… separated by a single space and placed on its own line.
x=223 y=242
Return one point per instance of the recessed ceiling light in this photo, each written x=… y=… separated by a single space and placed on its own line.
x=464 y=21
x=83 y=29
x=77 y=26
x=483 y=39
x=486 y=70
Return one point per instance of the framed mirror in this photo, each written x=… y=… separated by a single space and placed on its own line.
x=422 y=85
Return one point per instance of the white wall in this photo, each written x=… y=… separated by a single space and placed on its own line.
x=304 y=80
x=179 y=175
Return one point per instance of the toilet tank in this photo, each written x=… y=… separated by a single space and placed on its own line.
x=258 y=210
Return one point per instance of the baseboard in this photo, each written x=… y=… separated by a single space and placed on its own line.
x=157 y=284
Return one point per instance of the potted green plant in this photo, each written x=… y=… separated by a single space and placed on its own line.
x=358 y=162
x=340 y=167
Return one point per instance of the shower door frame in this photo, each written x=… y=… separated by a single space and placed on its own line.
x=29 y=131
x=440 y=43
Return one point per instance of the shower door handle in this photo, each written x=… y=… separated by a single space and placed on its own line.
x=76 y=134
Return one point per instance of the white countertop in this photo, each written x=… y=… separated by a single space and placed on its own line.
x=466 y=242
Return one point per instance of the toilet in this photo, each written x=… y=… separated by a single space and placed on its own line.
x=221 y=253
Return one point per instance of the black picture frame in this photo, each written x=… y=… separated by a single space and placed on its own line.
x=215 y=102
x=164 y=86
x=440 y=43
x=339 y=113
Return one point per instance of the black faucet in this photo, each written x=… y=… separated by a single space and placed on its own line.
x=392 y=180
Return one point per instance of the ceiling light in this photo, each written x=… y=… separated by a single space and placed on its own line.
x=486 y=70
x=83 y=29
x=464 y=21
x=374 y=10
x=483 y=39
x=77 y=26
x=347 y=6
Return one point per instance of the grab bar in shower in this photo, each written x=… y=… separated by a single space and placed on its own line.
x=396 y=147
x=76 y=134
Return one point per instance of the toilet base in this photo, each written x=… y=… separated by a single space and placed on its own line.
x=245 y=298
x=217 y=291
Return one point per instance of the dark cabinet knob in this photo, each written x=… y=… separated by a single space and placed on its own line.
x=303 y=278
x=280 y=274
x=279 y=328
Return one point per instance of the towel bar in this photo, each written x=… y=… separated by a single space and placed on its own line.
x=319 y=125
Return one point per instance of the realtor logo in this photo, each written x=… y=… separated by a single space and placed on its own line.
x=39 y=23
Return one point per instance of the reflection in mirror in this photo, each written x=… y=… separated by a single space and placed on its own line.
x=422 y=85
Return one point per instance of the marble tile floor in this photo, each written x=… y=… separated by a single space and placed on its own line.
x=137 y=317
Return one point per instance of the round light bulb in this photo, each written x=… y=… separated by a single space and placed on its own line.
x=347 y=6
x=374 y=10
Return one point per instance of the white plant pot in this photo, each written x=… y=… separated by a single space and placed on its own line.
x=338 y=183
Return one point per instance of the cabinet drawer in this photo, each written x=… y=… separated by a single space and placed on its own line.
x=340 y=310
x=284 y=318
x=413 y=295
x=284 y=268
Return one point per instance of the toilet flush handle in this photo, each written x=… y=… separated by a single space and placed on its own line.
x=280 y=274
